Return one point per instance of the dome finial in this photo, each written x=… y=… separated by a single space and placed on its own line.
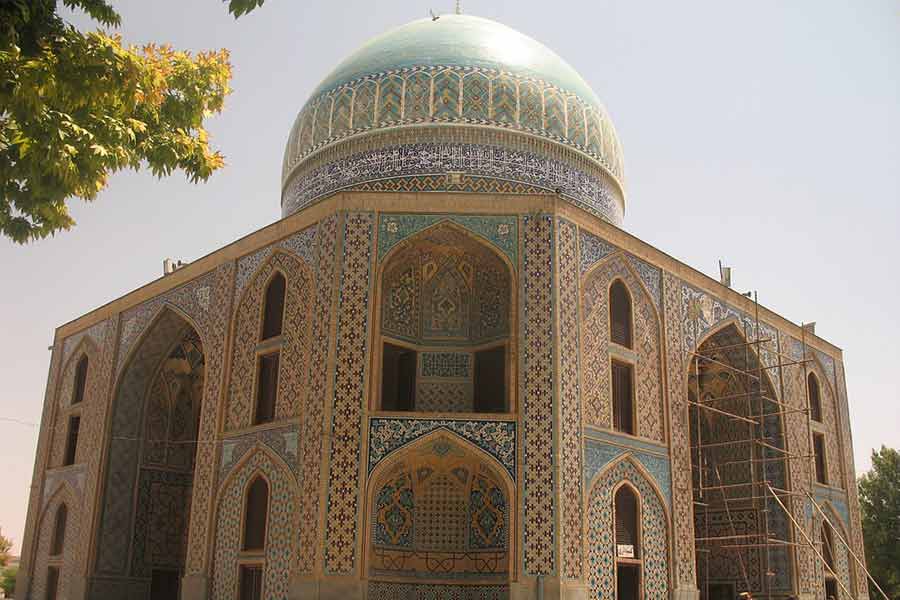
x=458 y=7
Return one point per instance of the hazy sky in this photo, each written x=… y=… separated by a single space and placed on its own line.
x=763 y=133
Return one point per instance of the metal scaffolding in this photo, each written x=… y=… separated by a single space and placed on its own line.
x=766 y=449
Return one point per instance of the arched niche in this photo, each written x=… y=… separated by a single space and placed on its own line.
x=45 y=561
x=737 y=444
x=440 y=510
x=600 y=354
x=250 y=346
x=65 y=450
x=605 y=558
x=148 y=477
x=276 y=559
x=444 y=340
x=842 y=562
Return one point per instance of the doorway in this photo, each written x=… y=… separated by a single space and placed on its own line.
x=628 y=581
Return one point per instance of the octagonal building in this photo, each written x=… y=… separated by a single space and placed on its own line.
x=447 y=373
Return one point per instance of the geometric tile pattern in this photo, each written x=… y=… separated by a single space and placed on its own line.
x=601 y=572
x=282 y=441
x=571 y=491
x=682 y=491
x=539 y=510
x=600 y=452
x=160 y=521
x=446 y=364
x=499 y=230
x=349 y=389
x=312 y=422
x=582 y=185
x=68 y=567
x=126 y=432
x=465 y=183
x=593 y=250
x=384 y=590
x=205 y=482
x=427 y=94
x=295 y=344
x=595 y=349
x=280 y=527
x=301 y=244
x=497 y=438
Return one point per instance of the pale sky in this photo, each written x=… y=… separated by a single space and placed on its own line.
x=765 y=133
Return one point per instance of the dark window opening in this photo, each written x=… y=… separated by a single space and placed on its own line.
x=628 y=582
x=266 y=388
x=623 y=397
x=251 y=582
x=58 y=540
x=721 y=591
x=626 y=523
x=80 y=380
x=255 y=515
x=52 y=582
x=815 y=400
x=72 y=441
x=164 y=584
x=273 y=313
x=490 y=380
x=827 y=547
x=819 y=452
x=398 y=378
x=831 y=589
x=620 y=314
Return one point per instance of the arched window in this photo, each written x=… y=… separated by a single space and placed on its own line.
x=273 y=311
x=627 y=519
x=80 y=380
x=58 y=541
x=620 y=314
x=256 y=511
x=815 y=399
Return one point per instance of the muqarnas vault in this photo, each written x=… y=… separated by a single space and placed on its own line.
x=446 y=373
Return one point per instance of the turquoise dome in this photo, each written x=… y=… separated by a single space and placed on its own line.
x=458 y=95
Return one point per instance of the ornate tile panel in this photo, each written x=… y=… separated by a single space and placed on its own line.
x=193 y=298
x=160 y=522
x=384 y=590
x=572 y=499
x=682 y=492
x=601 y=537
x=497 y=438
x=539 y=437
x=446 y=364
x=600 y=448
x=302 y=244
x=280 y=529
x=204 y=482
x=595 y=349
x=349 y=390
x=462 y=94
x=593 y=250
x=73 y=477
x=501 y=231
x=312 y=423
x=295 y=345
x=282 y=441
x=392 y=159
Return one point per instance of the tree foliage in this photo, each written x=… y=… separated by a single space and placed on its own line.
x=879 y=497
x=76 y=107
x=5 y=546
x=8 y=581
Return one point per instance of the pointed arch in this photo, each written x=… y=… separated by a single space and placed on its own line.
x=44 y=558
x=601 y=358
x=814 y=396
x=440 y=507
x=844 y=564
x=123 y=474
x=621 y=316
x=281 y=527
x=275 y=368
x=446 y=305
x=653 y=534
